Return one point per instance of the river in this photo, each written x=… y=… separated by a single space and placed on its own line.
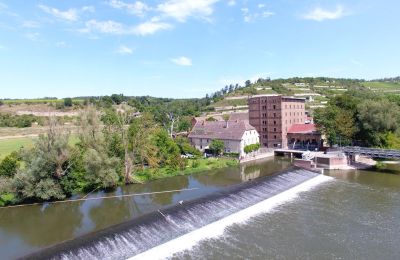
x=352 y=214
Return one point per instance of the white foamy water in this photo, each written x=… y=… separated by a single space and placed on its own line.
x=217 y=228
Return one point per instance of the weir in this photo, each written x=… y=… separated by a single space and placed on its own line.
x=154 y=233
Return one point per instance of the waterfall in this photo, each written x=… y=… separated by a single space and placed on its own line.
x=167 y=231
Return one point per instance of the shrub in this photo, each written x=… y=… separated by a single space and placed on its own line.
x=9 y=165
x=251 y=148
x=68 y=102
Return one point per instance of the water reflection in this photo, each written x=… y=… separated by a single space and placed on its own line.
x=38 y=226
x=35 y=227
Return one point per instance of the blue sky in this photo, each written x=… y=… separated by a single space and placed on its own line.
x=187 y=48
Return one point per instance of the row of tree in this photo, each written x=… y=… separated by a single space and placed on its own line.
x=361 y=118
x=109 y=149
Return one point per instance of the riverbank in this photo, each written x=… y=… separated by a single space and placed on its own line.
x=193 y=166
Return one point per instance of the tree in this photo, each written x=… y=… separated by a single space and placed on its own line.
x=169 y=154
x=1 y=103
x=377 y=118
x=101 y=170
x=184 y=125
x=117 y=99
x=45 y=165
x=325 y=120
x=217 y=146
x=68 y=102
x=116 y=130
x=9 y=165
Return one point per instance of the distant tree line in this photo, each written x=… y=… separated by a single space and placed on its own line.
x=361 y=118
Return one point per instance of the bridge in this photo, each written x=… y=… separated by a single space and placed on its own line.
x=372 y=152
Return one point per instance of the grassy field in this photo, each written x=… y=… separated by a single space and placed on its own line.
x=8 y=146
x=194 y=166
x=382 y=85
x=37 y=101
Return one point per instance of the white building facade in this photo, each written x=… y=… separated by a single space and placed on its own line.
x=235 y=134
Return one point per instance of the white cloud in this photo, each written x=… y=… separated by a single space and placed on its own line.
x=261 y=6
x=89 y=9
x=182 y=61
x=112 y=27
x=137 y=8
x=32 y=36
x=151 y=27
x=30 y=24
x=319 y=14
x=267 y=14
x=231 y=2
x=251 y=17
x=71 y=14
x=124 y=50
x=180 y=10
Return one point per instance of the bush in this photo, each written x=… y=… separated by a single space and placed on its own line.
x=6 y=199
x=68 y=102
x=8 y=120
x=251 y=148
x=217 y=146
x=9 y=165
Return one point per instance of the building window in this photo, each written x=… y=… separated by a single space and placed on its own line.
x=274 y=107
x=274 y=122
x=274 y=136
x=274 y=114
x=275 y=145
x=274 y=129
x=264 y=122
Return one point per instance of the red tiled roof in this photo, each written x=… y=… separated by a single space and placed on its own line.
x=302 y=129
x=218 y=130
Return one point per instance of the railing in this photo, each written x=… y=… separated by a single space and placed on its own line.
x=373 y=152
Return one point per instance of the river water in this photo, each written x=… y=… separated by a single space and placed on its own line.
x=347 y=215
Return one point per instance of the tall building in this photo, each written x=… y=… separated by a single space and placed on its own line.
x=273 y=115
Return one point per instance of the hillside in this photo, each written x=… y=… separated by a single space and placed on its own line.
x=316 y=91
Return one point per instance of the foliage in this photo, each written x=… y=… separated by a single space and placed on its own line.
x=169 y=153
x=392 y=141
x=184 y=125
x=68 y=102
x=6 y=199
x=185 y=147
x=9 y=165
x=20 y=121
x=251 y=148
x=117 y=99
x=217 y=146
x=45 y=164
x=101 y=171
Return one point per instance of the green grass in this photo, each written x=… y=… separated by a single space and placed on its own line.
x=382 y=85
x=193 y=166
x=8 y=146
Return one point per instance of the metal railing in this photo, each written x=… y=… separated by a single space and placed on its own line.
x=372 y=152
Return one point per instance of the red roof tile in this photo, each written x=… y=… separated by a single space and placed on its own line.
x=302 y=128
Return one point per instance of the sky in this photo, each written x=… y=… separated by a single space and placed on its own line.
x=187 y=48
